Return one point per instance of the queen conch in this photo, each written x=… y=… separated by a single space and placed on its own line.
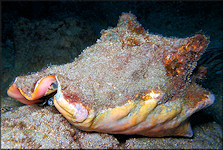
x=129 y=82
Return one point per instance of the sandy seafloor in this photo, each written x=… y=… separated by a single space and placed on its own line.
x=38 y=34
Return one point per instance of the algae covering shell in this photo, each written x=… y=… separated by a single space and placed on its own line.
x=129 y=82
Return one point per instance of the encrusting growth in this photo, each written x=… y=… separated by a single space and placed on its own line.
x=129 y=82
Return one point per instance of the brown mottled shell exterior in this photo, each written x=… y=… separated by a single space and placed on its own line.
x=129 y=82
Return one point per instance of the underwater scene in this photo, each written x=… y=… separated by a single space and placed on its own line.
x=111 y=75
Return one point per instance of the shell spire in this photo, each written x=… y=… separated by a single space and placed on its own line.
x=130 y=22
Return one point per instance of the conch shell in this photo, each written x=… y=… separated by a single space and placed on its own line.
x=129 y=82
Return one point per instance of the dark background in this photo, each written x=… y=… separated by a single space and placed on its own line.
x=179 y=19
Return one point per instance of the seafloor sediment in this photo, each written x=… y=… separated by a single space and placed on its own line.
x=37 y=127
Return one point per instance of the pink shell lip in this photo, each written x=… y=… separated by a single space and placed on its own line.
x=40 y=90
x=15 y=93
